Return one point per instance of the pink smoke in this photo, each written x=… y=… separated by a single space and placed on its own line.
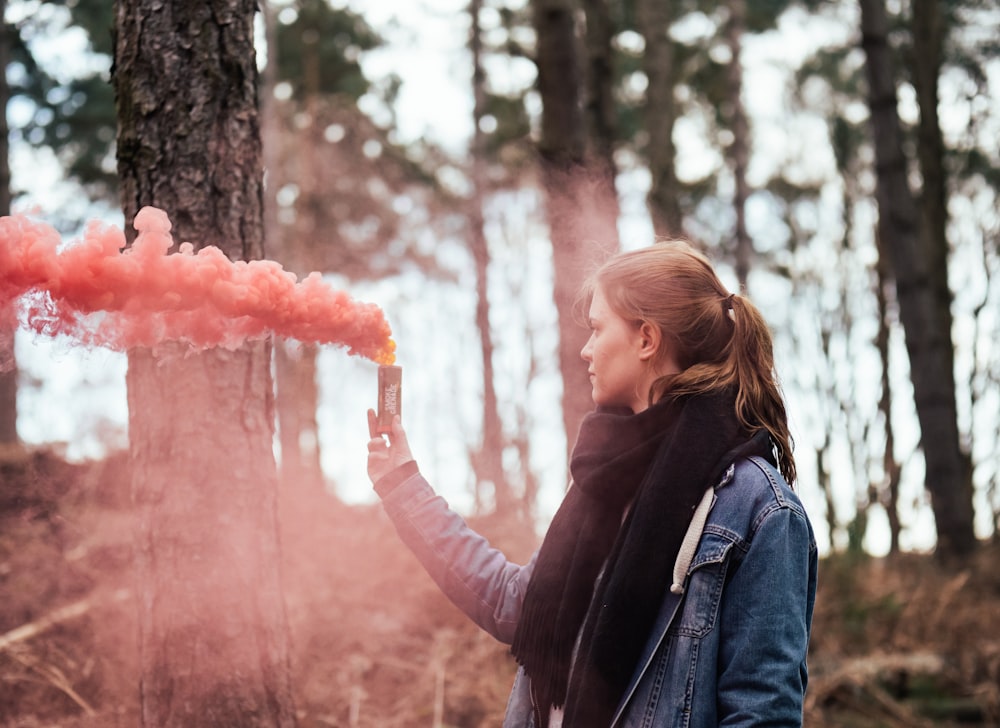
x=101 y=294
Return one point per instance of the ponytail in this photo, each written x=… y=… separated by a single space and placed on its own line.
x=759 y=403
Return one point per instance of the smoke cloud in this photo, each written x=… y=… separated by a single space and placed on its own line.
x=99 y=293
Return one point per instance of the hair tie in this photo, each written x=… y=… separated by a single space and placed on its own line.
x=727 y=305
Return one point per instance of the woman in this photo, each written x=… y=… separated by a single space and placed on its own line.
x=676 y=582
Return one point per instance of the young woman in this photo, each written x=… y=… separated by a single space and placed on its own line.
x=676 y=582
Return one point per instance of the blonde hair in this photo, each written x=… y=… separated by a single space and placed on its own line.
x=718 y=339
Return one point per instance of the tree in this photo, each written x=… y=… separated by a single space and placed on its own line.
x=309 y=54
x=74 y=112
x=659 y=112
x=297 y=393
x=335 y=180
x=580 y=229
x=487 y=460
x=212 y=631
x=599 y=109
x=74 y=119
x=8 y=320
x=739 y=150
x=918 y=260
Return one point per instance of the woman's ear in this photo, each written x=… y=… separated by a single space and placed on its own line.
x=650 y=338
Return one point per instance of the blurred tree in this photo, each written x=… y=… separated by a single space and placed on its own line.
x=918 y=259
x=487 y=459
x=580 y=228
x=877 y=474
x=653 y=18
x=828 y=83
x=335 y=182
x=887 y=492
x=8 y=318
x=297 y=395
x=319 y=47
x=601 y=118
x=950 y=471
x=688 y=67
x=307 y=53
x=574 y=149
x=972 y=161
x=74 y=112
x=212 y=630
x=73 y=115
x=739 y=148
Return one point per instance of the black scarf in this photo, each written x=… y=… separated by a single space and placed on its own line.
x=662 y=460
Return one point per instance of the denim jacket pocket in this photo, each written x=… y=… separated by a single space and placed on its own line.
x=703 y=587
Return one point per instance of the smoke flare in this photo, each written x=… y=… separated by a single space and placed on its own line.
x=100 y=293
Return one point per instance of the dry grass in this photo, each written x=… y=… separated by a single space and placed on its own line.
x=896 y=642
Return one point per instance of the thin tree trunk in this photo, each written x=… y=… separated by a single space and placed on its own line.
x=600 y=110
x=212 y=628
x=985 y=378
x=925 y=316
x=825 y=484
x=928 y=27
x=928 y=36
x=5 y=193
x=296 y=389
x=739 y=150
x=654 y=19
x=8 y=318
x=295 y=373
x=889 y=496
x=574 y=217
x=488 y=460
x=297 y=402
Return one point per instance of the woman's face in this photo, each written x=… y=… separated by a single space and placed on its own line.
x=618 y=354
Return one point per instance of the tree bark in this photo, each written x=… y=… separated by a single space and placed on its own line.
x=654 y=18
x=925 y=313
x=8 y=317
x=575 y=218
x=212 y=629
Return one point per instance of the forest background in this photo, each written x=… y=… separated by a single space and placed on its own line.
x=837 y=160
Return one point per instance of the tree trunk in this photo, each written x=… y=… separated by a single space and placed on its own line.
x=296 y=389
x=600 y=111
x=8 y=317
x=928 y=36
x=212 y=629
x=889 y=493
x=654 y=18
x=739 y=150
x=925 y=315
x=574 y=216
x=487 y=461
x=297 y=403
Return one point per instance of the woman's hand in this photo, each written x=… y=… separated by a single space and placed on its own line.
x=385 y=456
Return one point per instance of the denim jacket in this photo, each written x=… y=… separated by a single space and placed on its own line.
x=728 y=651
